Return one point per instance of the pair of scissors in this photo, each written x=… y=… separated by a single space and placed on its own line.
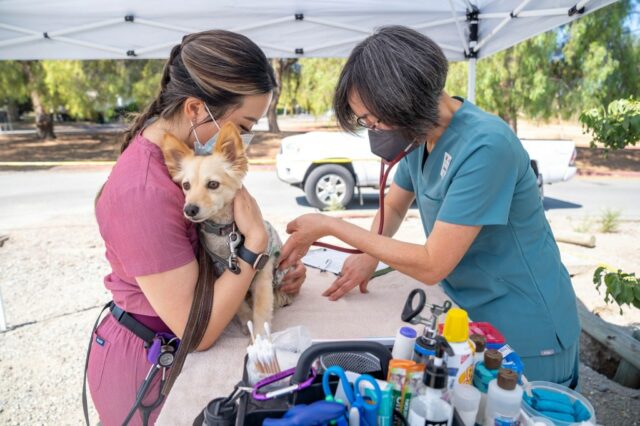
x=367 y=407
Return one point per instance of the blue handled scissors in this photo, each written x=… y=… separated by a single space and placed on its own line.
x=368 y=408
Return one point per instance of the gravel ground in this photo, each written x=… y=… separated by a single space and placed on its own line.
x=51 y=284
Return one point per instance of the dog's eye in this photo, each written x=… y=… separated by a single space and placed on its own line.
x=186 y=186
x=213 y=184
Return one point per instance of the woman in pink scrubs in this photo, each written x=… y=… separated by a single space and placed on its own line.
x=150 y=245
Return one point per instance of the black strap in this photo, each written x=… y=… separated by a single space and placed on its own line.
x=247 y=255
x=127 y=321
x=133 y=325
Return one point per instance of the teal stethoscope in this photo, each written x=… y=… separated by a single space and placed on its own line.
x=367 y=407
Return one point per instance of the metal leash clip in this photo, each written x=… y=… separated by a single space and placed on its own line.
x=235 y=239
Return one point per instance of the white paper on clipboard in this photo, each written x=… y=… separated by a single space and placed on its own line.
x=332 y=260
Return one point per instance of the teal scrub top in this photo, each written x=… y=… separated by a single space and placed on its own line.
x=479 y=174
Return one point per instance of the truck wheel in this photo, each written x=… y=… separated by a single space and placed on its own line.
x=329 y=186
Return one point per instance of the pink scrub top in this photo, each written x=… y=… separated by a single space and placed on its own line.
x=140 y=218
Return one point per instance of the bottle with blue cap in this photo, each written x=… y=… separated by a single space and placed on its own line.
x=404 y=343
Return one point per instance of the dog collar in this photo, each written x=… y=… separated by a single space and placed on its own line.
x=211 y=227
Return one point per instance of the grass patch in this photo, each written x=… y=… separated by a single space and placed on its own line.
x=609 y=221
x=584 y=226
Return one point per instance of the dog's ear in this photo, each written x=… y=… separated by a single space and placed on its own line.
x=230 y=145
x=174 y=151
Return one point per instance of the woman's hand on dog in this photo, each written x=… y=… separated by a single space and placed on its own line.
x=293 y=279
x=249 y=221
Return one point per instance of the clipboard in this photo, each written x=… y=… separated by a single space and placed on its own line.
x=328 y=260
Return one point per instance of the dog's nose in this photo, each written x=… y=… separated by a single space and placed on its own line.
x=191 y=210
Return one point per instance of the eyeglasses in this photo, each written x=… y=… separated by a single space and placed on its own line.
x=363 y=122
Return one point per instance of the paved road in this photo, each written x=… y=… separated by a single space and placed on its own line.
x=34 y=197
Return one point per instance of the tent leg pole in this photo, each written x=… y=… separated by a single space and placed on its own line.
x=471 y=80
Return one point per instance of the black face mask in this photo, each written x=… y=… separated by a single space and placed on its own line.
x=389 y=144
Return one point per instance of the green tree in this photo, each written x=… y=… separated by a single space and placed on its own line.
x=457 y=79
x=13 y=87
x=583 y=65
x=310 y=85
x=318 y=80
x=282 y=68
x=86 y=88
x=517 y=80
x=599 y=61
x=144 y=77
x=616 y=126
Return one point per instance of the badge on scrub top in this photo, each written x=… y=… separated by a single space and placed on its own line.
x=445 y=164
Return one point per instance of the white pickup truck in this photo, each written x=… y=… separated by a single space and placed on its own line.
x=330 y=166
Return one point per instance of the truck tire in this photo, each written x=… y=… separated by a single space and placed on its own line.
x=329 y=186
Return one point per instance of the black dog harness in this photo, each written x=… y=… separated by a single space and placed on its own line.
x=234 y=240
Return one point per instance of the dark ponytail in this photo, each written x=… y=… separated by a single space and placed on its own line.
x=218 y=67
x=154 y=108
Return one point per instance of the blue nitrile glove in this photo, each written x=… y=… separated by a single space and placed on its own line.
x=557 y=406
x=319 y=413
x=581 y=412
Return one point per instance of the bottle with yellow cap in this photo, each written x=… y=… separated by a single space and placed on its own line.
x=456 y=331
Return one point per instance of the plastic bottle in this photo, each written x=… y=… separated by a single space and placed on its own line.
x=466 y=401
x=403 y=345
x=503 y=400
x=480 y=343
x=456 y=331
x=485 y=372
x=430 y=407
x=424 y=349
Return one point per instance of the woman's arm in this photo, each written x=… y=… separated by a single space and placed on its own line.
x=171 y=292
x=358 y=268
x=428 y=263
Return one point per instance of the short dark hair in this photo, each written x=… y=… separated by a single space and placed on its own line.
x=399 y=74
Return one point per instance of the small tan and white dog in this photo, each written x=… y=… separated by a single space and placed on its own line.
x=210 y=183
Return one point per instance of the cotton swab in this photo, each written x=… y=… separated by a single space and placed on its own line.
x=261 y=352
x=267 y=330
x=250 y=327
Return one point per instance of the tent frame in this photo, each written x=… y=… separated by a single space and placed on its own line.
x=470 y=45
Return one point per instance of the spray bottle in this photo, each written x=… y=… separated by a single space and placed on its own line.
x=456 y=331
x=430 y=407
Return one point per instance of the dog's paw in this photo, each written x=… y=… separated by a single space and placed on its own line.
x=282 y=299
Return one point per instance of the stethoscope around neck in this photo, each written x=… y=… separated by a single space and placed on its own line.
x=384 y=174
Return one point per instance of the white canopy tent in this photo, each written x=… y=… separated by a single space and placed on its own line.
x=116 y=29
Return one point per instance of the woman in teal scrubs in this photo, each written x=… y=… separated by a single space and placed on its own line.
x=488 y=241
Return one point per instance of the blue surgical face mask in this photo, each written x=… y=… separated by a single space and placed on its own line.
x=207 y=148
